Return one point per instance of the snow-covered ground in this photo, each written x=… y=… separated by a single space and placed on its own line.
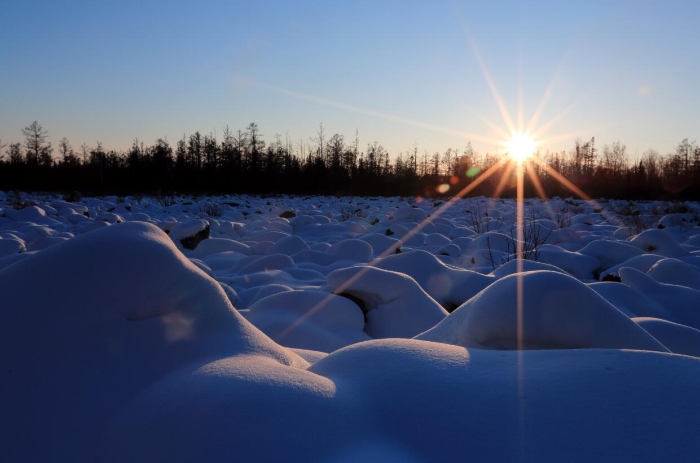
x=240 y=328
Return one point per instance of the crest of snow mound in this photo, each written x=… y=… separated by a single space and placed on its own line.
x=89 y=322
x=394 y=304
x=511 y=267
x=558 y=312
x=675 y=272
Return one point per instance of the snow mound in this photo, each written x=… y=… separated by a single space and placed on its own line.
x=381 y=244
x=682 y=303
x=118 y=309
x=394 y=399
x=309 y=320
x=574 y=263
x=449 y=286
x=43 y=243
x=218 y=245
x=494 y=241
x=250 y=295
x=642 y=263
x=352 y=250
x=558 y=312
x=675 y=272
x=268 y=262
x=656 y=241
x=409 y=214
x=190 y=233
x=288 y=245
x=629 y=301
x=610 y=253
x=27 y=214
x=393 y=303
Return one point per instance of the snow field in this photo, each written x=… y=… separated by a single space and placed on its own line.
x=134 y=331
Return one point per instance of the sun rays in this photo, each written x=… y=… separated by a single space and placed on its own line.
x=520 y=140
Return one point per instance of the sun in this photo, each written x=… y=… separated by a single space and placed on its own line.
x=520 y=147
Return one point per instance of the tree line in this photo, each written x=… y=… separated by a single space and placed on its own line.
x=243 y=162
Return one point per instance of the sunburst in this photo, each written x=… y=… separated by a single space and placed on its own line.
x=520 y=144
x=520 y=147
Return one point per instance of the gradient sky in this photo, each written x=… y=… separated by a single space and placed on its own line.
x=400 y=72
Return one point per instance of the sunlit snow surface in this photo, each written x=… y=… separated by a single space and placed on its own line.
x=347 y=329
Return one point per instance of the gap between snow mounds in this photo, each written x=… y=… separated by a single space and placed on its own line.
x=558 y=312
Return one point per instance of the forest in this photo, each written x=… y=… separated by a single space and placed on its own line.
x=242 y=161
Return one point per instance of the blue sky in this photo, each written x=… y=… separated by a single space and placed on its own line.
x=400 y=72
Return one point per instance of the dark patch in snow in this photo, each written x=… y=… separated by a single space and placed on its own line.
x=612 y=277
x=360 y=303
x=450 y=306
x=191 y=242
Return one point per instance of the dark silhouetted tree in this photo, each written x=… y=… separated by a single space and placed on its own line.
x=35 y=142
